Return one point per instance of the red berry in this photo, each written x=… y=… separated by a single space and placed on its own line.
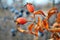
x=21 y=20
x=30 y=7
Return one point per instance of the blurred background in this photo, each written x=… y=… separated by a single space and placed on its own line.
x=7 y=17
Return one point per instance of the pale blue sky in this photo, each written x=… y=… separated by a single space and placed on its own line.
x=9 y=2
x=41 y=1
